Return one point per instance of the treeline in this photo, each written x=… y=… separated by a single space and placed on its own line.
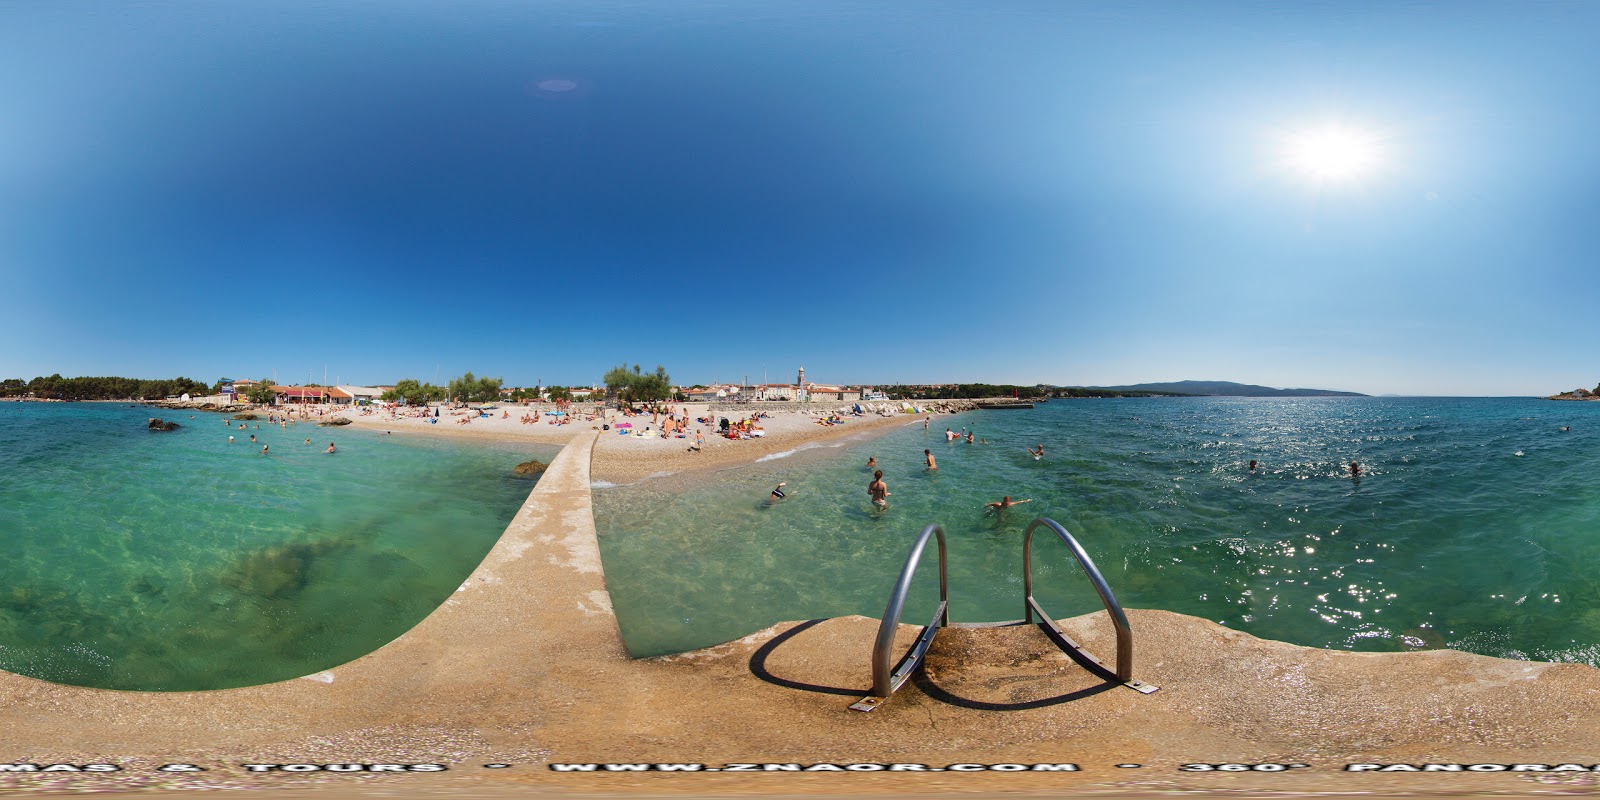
x=468 y=388
x=56 y=387
x=638 y=386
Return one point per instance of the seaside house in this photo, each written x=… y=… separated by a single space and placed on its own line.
x=298 y=395
x=360 y=395
x=825 y=393
x=704 y=394
x=775 y=391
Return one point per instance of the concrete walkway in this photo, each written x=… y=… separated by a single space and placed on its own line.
x=525 y=665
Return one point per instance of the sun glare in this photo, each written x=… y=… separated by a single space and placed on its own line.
x=1331 y=154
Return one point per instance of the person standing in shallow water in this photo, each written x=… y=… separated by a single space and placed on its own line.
x=1355 y=470
x=928 y=454
x=878 y=490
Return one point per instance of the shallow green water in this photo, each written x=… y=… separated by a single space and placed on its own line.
x=1450 y=537
x=176 y=561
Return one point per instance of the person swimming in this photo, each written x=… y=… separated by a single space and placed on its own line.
x=872 y=462
x=777 y=492
x=330 y=447
x=1252 y=465
x=928 y=454
x=1355 y=470
x=1005 y=503
x=1037 y=454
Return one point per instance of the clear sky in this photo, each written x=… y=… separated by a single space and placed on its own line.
x=1379 y=197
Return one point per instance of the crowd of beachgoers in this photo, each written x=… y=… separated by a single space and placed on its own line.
x=650 y=439
x=633 y=442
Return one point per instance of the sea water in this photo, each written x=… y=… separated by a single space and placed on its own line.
x=1475 y=524
x=178 y=561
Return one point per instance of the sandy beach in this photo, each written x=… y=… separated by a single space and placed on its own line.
x=622 y=459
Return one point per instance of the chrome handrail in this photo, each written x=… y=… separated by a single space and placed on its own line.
x=1124 y=666
x=884 y=680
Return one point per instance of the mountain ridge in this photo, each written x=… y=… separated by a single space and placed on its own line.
x=1225 y=389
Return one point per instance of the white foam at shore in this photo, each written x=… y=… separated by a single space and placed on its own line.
x=603 y=485
x=787 y=453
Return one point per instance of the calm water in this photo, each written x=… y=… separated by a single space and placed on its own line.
x=1475 y=525
x=175 y=561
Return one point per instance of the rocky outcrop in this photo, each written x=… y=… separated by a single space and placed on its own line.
x=158 y=424
x=245 y=416
x=191 y=405
x=530 y=468
x=335 y=421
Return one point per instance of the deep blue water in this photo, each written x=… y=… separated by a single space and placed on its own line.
x=1474 y=525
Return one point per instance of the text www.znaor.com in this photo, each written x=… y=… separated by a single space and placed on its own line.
x=813 y=768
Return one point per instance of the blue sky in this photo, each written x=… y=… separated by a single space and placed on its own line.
x=1064 y=192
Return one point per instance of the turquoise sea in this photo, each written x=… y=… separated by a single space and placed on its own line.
x=1475 y=524
x=176 y=561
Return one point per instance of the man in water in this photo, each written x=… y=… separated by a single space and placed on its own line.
x=1355 y=470
x=872 y=462
x=928 y=454
x=878 y=490
x=330 y=447
x=777 y=492
x=1252 y=465
x=1037 y=454
x=1005 y=503
x=264 y=449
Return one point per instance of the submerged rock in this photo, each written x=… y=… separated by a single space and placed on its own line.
x=158 y=424
x=530 y=468
x=336 y=421
x=245 y=416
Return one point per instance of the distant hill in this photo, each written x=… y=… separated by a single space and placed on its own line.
x=1225 y=389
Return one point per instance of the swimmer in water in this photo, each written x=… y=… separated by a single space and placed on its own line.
x=330 y=447
x=777 y=492
x=1252 y=465
x=1037 y=454
x=264 y=449
x=1005 y=503
x=872 y=462
x=252 y=438
x=230 y=440
x=308 y=441
x=928 y=454
x=878 y=490
x=1355 y=470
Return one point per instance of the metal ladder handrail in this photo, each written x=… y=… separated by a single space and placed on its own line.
x=885 y=681
x=1119 y=619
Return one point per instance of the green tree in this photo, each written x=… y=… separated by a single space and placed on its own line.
x=472 y=389
x=413 y=393
x=635 y=386
x=560 y=393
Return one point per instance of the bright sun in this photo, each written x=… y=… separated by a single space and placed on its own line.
x=1331 y=153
